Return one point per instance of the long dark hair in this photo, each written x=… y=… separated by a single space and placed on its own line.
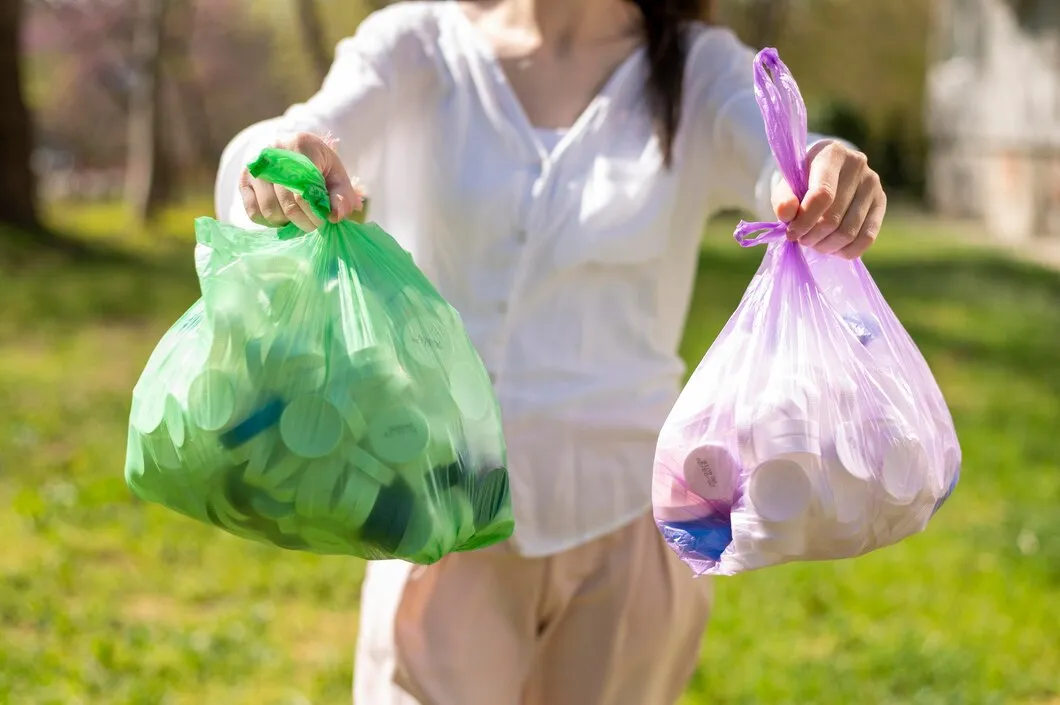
x=664 y=22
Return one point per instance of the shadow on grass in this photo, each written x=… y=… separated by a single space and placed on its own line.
x=46 y=289
x=990 y=328
x=1004 y=313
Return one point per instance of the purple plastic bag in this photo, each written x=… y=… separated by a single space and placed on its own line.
x=813 y=428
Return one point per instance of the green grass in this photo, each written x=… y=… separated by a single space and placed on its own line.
x=106 y=600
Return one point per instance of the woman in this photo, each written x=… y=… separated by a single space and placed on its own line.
x=550 y=165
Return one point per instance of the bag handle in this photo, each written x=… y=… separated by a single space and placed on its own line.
x=296 y=172
x=784 y=112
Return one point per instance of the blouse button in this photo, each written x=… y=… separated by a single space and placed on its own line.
x=520 y=236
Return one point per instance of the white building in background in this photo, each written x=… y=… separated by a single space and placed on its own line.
x=993 y=114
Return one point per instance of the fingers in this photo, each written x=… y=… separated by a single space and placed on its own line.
x=274 y=206
x=870 y=228
x=250 y=199
x=844 y=206
x=296 y=209
x=846 y=192
x=825 y=171
x=270 y=205
x=340 y=189
x=341 y=192
x=785 y=202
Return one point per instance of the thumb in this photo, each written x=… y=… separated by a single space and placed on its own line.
x=785 y=202
x=341 y=191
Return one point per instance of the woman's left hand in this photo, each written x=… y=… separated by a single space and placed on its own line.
x=844 y=207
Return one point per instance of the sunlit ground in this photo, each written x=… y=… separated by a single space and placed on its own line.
x=106 y=600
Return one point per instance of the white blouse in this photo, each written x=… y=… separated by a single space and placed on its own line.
x=571 y=260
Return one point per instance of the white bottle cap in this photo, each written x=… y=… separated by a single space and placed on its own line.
x=262 y=449
x=428 y=341
x=839 y=397
x=786 y=421
x=418 y=534
x=291 y=299
x=375 y=367
x=229 y=515
x=175 y=423
x=162 y=451
x=442 y=450
x=791 y=395
x=763 y=542
x=275 y=267
x=149 y=409
x=311 y=426
x=850 y=497
x=832 y=540
x=317 y=487
x=670 y=498
x=358 y=497
x=471 y=390
x=368 y=464
x=212 y=399
x=229 y=297
x=227 y=339
x=282 y=474
x=463 y=517
x=906 y=470
x=297 y=373
x=711 y=472
x=744 y=425
x=365 y=321
x=750 y=548
x=884 y=452
x=398 y=434
x=905 y=520
x=254 y=352
x=899 y=396
x=340 y=398
x=780 y=491
x=780 y=438
x=852 y=452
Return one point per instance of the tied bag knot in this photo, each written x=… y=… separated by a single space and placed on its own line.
x=784 y=113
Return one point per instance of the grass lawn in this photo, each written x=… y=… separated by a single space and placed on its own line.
x=106 y=600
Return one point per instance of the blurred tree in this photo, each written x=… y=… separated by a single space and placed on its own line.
x=17 y=182
x=840 y=118
x=760 y=23
x=247 y=61
x=80 y=67
x=239 y=65
x=187 y=94
x=869 y=56
x=313 y=37
x=147 y=178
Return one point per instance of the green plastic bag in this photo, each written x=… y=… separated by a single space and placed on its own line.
x=320 y=396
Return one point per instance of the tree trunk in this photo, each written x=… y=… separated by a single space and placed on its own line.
x=18 y=185
x=147 y=182
x=767 y=17
x=313 y=37
x=110 y=76
x=187 y=87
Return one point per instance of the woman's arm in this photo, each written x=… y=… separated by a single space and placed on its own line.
x=721 y=89
x=375 y=72
x=842 y=211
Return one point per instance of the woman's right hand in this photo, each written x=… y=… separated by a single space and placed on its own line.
x=275 y=206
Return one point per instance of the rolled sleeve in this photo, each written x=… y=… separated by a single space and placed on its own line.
x=372 y=76
x=732 y=130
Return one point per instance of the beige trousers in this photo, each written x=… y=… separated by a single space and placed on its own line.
x=617 y=621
